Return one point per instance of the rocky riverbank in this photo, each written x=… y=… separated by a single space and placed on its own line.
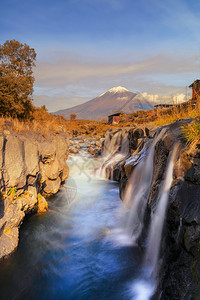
x=32 y=168
x=179 y=276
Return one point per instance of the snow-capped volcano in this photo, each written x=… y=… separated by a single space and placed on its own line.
x=116 y=99
x=114 y=90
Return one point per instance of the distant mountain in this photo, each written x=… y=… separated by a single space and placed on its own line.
x=116 y=99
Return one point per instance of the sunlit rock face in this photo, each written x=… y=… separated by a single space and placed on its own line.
x=30 y=165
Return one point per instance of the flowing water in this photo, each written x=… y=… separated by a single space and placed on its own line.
x=137 y=194
x=115 y=149
x=148 y=281
x=85 y=246
x=64 y=253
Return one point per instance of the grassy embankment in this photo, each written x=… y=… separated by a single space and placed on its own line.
x=162 y=116
x=46 y=123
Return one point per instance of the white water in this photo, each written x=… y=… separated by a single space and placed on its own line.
x=136 y=198
x=138 y=190
x=115 y=150
x=158 y=218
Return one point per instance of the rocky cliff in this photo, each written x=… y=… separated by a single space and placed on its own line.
x=179 y=276
x=32 y=167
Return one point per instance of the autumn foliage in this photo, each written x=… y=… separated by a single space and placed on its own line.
x=16 y=79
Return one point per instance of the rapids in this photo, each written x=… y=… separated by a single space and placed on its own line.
x=85 y=247
x=64 y=253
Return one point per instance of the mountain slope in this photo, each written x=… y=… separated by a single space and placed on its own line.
x=117 y=98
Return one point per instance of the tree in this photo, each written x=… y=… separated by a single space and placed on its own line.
x=16 y=79
x=72 y=117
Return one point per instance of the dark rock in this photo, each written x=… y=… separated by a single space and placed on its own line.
x=133 y=136
x=179 y=277
x=147 y=131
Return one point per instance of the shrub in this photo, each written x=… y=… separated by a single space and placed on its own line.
x=191 y=133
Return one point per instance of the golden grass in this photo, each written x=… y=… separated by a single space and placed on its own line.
x=191 y=133
x=178 y=112
x=46 y=123
x=159 y=117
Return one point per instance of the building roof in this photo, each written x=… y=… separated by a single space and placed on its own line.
x=163 y=105
x=194 y=83
x=115 y=114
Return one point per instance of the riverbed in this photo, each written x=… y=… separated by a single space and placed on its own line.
x=66 y=253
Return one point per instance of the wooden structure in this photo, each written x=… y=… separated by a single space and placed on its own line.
x=195 y=88
x=114 y=118
x=163 y=105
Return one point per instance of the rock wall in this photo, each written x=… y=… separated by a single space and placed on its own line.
x=31 y=167
x=179 y=276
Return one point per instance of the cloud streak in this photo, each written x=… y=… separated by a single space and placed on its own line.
x=68 y=71
x=69 y=82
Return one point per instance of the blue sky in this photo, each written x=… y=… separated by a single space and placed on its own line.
x=85 y=47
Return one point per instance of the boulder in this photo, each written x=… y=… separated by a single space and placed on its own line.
x=73 y=151
x=133 y=136
x=91 y=150
x=51 y=186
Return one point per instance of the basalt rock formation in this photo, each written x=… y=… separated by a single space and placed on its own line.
x=32 y=167
x=179 y=275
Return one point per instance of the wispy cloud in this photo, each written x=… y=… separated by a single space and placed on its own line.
x=67 y=71
x=72 y=82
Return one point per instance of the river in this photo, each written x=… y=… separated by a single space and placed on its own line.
x=66 y=253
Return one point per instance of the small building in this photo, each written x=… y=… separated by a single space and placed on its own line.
x=114 y=118
x=163 y=105
x=195 y=88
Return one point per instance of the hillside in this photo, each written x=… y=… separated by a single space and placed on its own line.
x=117 y=98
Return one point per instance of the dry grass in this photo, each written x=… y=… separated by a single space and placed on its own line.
x=46 y=123
x=178 y=112
x=159 y=117
x=191 y=133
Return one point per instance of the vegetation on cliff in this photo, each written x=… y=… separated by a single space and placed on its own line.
x=16 y=79
x=191 y=133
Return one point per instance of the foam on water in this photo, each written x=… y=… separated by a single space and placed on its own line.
x=142 y=290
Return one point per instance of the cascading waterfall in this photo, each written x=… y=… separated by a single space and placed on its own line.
x=138 y=190
x=115 y=150
x=158 y=217
x=136 y=198
x=146 y=286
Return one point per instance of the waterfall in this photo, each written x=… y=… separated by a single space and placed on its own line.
x=138 y=190
x=116 y=148
x=136 y=198
x=145 y=287
x=158 y=217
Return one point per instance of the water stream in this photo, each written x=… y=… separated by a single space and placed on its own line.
x=85 y=246
x=64 y=253
x=138 y=190
x=115 y=149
